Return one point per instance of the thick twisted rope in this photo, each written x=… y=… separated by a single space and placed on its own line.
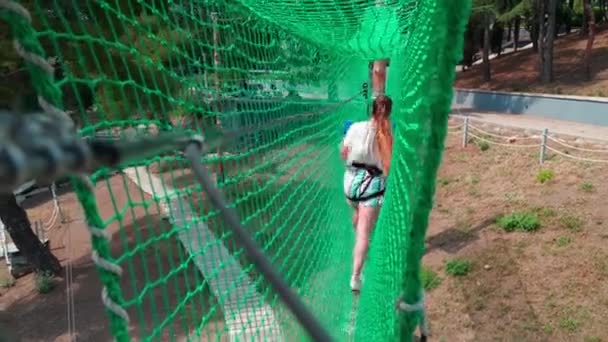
x=418 y=307
x=49 y=98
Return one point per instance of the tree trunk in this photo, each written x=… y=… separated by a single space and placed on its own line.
x=509 y=29
x=469 y=47
x=534 y=36
x=487 y=73
x=496 y=37
x=551 y=21
x=517 y=27
x=585 y=24
x=546 y=38
x=541 y=37
x=534 y=31
x=18 y=227
x=584 y=27
x=590 y=38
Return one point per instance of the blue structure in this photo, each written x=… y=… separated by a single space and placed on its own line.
x=591 y=111
x=346 y=126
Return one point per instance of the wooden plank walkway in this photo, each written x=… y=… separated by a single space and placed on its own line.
x=248 y=317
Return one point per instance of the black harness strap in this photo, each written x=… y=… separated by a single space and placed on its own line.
x=372 y=172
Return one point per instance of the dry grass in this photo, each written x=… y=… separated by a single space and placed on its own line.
x=546 y=285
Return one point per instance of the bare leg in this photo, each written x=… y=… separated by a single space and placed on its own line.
x=355 y=218
x=365 y=224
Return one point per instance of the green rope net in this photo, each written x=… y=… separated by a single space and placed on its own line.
x=292 y=69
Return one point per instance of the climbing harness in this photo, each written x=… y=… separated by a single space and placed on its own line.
x=371 y=173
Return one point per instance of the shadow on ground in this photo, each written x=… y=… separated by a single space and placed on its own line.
x=455 y=238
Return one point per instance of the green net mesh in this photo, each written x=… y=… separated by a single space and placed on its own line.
x=294 y=70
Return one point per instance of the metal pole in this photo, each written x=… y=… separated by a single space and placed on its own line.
x=56 y=202
x=379 y=69
x=241 y=234
x=4 y=243
x=543 y=145
x=38 y=230
x=218 y=98
x=465 y=132
x=379 y=77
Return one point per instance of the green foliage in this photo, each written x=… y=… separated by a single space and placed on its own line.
x=430 y=278
x=458 y=267
x=569 y=324
x=483 y=145
x=545 y=212
x=563 y=241
x=578 y=7
x=44 y=283
x=443 y=181
x=592 y=339
x=519 y=221
x=548 y=328
x=7 y=282
x=522 y=8
x=587 y=187
x=564 y=14
x=571 y=222
x=545 y=175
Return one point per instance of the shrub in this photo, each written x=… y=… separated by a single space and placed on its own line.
x=483 y=145
x=571 y=222
x=443 y=181
x=519 y=221
x=544 y=212
x=44 y=283
x=7 y=282
x=544 y=176
x=430 y=278
x=458 y=267
x=563 y=241
x=587 y=187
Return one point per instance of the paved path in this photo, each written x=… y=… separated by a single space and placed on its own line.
x=248 y=317
x=538 y=123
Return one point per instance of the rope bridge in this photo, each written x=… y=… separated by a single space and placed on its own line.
x=227 y=116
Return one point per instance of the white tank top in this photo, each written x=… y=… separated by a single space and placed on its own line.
x=361 y=141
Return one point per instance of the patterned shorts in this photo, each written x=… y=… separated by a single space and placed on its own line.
x=359 y=183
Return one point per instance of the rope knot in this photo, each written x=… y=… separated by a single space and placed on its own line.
x=403 y=306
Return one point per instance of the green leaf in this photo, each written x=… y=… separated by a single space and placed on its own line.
x=521 y=9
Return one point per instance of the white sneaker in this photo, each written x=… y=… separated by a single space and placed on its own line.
x=355 y=284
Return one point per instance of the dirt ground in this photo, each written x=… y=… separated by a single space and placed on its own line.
x=550 y=285
x=518 y=72
x=43 y=317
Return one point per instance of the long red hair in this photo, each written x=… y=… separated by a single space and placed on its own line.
x=384 y=133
